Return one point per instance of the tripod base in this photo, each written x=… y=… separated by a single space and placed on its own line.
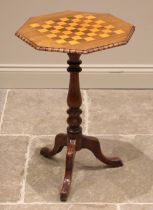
x=87 y=142
x=73 y=139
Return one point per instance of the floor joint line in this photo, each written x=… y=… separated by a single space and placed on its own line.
x=120 y=134
x=28 y=135
x=58 y=203
x=73 y=203
x=3 y=110
x=53 y=135
x=23 y=183
x=86 y=112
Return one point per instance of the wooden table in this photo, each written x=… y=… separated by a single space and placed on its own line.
x=75 y=33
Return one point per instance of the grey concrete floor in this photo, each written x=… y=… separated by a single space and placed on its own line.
x=121 y=119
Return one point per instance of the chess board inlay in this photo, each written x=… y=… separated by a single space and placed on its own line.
x=76 y=29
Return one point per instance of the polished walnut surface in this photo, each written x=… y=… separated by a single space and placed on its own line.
x=75 y=32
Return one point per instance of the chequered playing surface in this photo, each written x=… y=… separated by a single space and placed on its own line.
x=76 y=29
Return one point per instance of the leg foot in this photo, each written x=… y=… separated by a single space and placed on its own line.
x=93 y=145
x=71 y=150
x=60 y=142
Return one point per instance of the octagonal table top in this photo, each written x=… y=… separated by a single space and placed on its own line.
x=75 y=32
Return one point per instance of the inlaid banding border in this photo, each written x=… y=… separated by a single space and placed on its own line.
x=90 y=50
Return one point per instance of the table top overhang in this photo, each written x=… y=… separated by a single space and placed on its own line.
x=75 y=32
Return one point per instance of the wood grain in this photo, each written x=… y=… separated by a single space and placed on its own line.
x=75 y=32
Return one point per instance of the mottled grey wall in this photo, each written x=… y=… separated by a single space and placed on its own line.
x=138 y=51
